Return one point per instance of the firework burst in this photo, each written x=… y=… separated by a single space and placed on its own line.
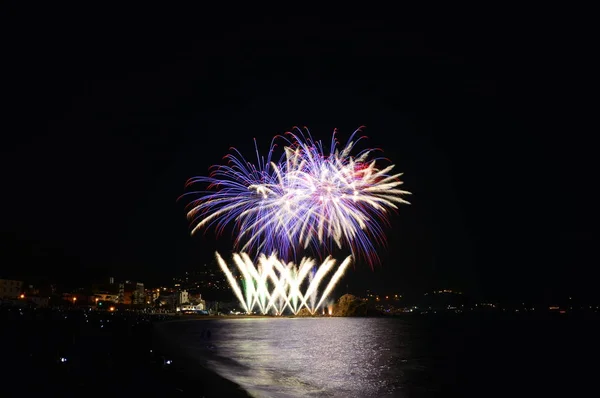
x=308 y=198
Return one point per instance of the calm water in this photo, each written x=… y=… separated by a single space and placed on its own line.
x=377 y=357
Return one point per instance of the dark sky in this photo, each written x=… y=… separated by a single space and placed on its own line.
x=108 y=113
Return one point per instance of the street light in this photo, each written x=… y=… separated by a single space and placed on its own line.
x=74 y=300
x=22 y=296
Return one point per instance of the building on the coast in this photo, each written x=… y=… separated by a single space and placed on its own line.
x=182 y=297
x=178 y=300
x=191 y=308
x=151 y=295
x=131 y=293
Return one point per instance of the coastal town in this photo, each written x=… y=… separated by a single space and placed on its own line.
x=207 y=292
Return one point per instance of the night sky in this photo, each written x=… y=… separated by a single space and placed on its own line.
x=107 y=114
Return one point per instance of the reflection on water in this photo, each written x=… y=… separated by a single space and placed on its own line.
x=279 y=357
x=332 y=357
x=376 y=357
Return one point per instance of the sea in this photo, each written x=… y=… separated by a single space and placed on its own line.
x=413 y=356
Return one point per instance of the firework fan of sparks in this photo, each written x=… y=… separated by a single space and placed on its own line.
x=309 y=198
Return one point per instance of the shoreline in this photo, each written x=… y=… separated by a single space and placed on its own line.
x=195 y=377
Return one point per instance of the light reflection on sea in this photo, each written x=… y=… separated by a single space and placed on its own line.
x=466 y=356
x=292 y=357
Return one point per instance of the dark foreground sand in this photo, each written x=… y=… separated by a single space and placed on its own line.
x=117 y=355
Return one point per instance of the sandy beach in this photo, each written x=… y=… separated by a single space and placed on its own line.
x=75 y=353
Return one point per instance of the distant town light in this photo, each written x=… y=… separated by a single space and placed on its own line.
x=22 y=295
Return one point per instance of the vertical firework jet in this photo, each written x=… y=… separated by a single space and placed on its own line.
x=273 y=285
